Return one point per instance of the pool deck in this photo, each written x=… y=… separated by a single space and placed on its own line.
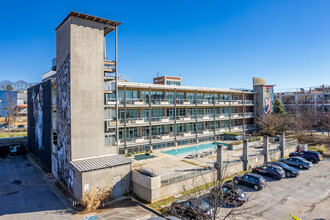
x=164 y=163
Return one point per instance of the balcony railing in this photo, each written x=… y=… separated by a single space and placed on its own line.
x=250 y=127
x=249 y=102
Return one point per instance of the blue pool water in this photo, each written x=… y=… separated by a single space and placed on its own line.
x=193 y=149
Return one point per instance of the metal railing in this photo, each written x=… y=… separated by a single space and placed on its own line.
x=184 y=174
x=291 y=143
x=248 y=101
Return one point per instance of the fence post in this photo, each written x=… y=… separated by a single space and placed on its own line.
x=282 y=144
x=245 y=155
x=265 y=150
x=219 y=162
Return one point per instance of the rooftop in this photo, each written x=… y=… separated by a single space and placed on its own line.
x=92 y=18
x=192 y=88
x=97 y=163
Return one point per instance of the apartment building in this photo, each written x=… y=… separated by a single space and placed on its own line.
x=315 y=99
x=155 y=116
x=83 y=117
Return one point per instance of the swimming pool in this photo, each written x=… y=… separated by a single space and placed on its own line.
x=193 y=149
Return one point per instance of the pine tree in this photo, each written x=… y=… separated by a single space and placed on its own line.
x=279 y=107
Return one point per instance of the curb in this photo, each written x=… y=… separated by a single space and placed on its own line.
x=146 y=207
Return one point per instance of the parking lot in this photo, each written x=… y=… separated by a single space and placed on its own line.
x=24 y=194
x=307 y=197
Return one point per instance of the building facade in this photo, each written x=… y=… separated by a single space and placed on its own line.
x=313 y=100
x=96 y=117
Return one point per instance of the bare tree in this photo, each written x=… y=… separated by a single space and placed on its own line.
x=273 y=124
x=10 y=107
x=210 y=189
x=4 y=84
x=21 y=85
x=326 y=124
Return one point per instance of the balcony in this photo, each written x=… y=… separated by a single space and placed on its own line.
x=250 y=127
x=134 y=141
x=109 y=66
x=249 y=102
x=249 y=114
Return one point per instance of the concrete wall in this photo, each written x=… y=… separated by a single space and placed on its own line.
x=151 y=190
x=103 y=178
x=87 y=89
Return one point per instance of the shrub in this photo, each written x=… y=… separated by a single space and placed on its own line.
x=254 y=139
x=232 y=133
x=321 y=149
x=236 y=143
x=93 y=199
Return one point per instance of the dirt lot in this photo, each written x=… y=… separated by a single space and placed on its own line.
x=307 y=196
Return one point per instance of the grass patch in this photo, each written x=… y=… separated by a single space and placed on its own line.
x=232 y=133
x=12 y=134
x=190 y=162
x=235 y=143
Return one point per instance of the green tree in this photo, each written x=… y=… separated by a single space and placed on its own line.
x=279 y=107
x=9 y=88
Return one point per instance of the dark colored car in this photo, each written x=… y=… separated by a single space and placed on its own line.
x=192 y=208
x=228 y=193
x=251 y=179
x=307 y=155
x=297 y=162
x=6 y=125
x=289 y=171
x=270 y=170
x=20 y=126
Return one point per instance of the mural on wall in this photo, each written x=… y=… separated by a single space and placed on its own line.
x=268 y=99
x=64 y=123
x=37 y=100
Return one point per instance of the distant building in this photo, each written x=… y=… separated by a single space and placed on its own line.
x=315 y=99
x=168 y=80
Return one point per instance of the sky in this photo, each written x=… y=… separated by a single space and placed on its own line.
x=220 y=44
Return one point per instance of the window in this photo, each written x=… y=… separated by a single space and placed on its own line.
x=157 y=113
x=157 y=130
x=180 y=112
x=191 y=96
x=180 y=96
x=130 y=113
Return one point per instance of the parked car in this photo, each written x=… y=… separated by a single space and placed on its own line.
x=270 y=170
x=312 y=156
x=289 y=171
x=20 y=126
x=230 y=194
x=192 y=208
x=251 y=179
x=6 y=125
x=297 y=162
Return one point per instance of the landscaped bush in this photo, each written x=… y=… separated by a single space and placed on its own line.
x=232 y=133
x=254 y=139
x=321 y=149
x=236 y=143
